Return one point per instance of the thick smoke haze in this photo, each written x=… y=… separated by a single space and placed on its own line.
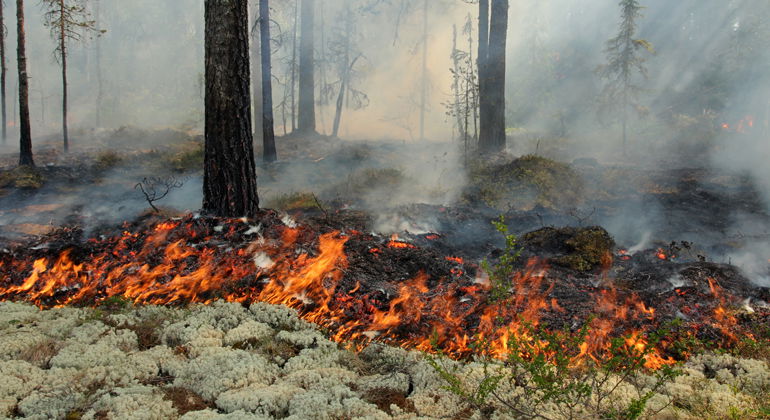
x=703 y=102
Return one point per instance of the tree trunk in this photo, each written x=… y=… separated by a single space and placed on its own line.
x=25 y=135
x=484 y=107
x=99 y=81
x=229 y=177
x=306 y=123
x=63 y=49
x=268 y=130
x=3 y=69
x=424 y=83
x=294 y=68
x=456 y=71
x=345 y=76
x=255 y=55
x=492 y=138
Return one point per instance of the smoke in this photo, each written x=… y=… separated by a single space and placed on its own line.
x=702 y=104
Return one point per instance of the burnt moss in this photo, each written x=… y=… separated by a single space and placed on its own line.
x=581 y=249
x=525 y=183
x=22 y=177
x=384 y=398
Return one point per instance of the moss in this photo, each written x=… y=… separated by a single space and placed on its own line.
x=22 y=177
x=524 y=183
x=581 y=249
x=184 y=400
x=115 y=304
x=188 y=157
x=383 y=398
x=107 y=159
x=293 y=201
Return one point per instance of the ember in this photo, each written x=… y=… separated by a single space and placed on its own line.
x=180 y=262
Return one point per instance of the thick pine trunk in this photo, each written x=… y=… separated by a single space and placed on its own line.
x=306 y=120
x=25 y=135
x=268 y=129
x=492 y=137
x=229 y=177
x=2 y=73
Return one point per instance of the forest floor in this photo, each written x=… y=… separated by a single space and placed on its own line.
x=691 y=243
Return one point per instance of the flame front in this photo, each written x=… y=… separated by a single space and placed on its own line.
x=164 y=267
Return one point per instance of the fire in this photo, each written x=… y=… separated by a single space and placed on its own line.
x=175 y=263
x=458 y=260
x=661 y=254
x=396 y=243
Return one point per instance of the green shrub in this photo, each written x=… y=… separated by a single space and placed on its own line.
x=501 y=273
x=545 y=375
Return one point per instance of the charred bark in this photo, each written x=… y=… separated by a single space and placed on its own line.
x=268 y=129
x=3 y=69
x=25 y=135
x=229 y=177
x=492 y=136
x=306 y=111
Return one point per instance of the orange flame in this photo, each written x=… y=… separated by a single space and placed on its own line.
x=162 y=267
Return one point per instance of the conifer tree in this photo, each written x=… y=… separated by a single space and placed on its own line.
x=625 y=64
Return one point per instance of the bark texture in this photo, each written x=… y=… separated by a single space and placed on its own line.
x=306 y=117
x=229 y=177
x=268 y=129
x=25 y=135
x=492 y=81
x=3 y=69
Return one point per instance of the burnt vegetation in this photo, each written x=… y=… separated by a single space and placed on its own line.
x=557 y=208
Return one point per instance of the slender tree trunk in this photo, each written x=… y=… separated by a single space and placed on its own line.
x=483 y=56
x=25 y=135
x=306 y=123
x=3 y=69
x=424 y=83
x=456 y=71
x=345 y=76
x=229 y=177
x=99 y=80
x=294 y=67
x=322 y=57
x=63 y=49
x=625 y=121
x=268 y=131
x=256 y=72
x=471 y=89
x=492 y=138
